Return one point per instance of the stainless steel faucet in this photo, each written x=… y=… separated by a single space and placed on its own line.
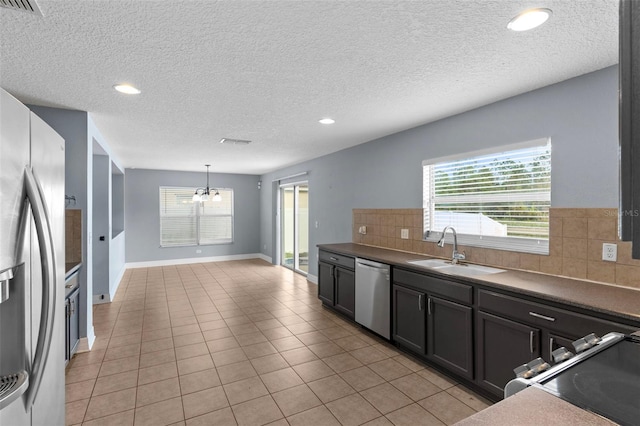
x=455 y=256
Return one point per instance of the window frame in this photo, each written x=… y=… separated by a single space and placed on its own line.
x=518 y=244
x=197 y=214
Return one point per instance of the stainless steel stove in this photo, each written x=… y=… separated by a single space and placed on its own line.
x=602 y=377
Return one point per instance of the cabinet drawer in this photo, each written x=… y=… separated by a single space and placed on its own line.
x=451 y=290
x=337 y=259
x=569 y=323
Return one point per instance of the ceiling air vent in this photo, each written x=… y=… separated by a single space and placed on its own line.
x=232 y=141
x=23 y=5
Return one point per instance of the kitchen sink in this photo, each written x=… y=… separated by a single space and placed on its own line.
x=461 y=269
x=431 y=263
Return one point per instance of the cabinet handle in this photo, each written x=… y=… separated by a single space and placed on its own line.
x=419 y=302
x=550 y=349
x=544 y=317
x=335 y=259
x=429 y=305
x=531 y=342
x=331 y=272
x=73 y=308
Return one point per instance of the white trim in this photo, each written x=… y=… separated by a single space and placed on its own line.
x=312 y=278
x=265 y=258
x=486 y=151
x=112 y=291
x=187 y=261
x=296 y=183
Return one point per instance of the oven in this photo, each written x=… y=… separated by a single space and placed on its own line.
x=601 y=375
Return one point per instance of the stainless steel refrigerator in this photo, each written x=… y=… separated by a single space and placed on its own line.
x=31 y=268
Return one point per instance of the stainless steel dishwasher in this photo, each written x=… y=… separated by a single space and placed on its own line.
x=373 y=296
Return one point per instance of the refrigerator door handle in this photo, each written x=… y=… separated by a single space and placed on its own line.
x=48 y=261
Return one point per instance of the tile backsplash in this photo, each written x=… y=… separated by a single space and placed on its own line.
x=576 y=236
x=73 y=236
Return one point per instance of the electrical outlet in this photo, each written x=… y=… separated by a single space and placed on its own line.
x=404 y=234
x=198 y=251
x=609 y=252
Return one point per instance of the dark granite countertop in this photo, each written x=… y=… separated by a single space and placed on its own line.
x=608 y=299
x=534 y=407
x=71 y=268
x=70 y=285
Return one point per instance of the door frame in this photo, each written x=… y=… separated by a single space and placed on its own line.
x=296 y=226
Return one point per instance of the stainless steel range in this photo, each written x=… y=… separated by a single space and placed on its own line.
x=603 y=376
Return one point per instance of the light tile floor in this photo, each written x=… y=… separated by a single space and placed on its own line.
x=248 y=343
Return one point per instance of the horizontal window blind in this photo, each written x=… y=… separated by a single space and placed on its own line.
x=499 y=200
x=184 y=223
x=216 y=219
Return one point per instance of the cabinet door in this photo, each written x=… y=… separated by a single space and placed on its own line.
x=502 y=346
x=409 y=319
x=450 y=336
x=325 y=283
x=345 y=293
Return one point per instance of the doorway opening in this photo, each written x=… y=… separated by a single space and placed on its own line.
x=294 y=227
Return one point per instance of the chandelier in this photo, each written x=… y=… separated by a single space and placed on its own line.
x=202 y=194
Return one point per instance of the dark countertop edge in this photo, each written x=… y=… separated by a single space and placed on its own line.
x=71 y=268
x=505 y=280
x=534 y=407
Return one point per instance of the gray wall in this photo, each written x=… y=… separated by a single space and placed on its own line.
x=142 y=214
x=117 y=201
x=579 y=115
x=101 y=214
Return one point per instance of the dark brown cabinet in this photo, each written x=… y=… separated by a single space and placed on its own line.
x=476 y=331
x=337 y=283
x=512 y=331
x=450 y=334
x=345 y=297
x=502 y=346
x=409 y=319
x=429 y=320
x=326 y=283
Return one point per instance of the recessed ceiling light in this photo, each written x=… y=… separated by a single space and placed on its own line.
x=126 y=89
x=327 y=121
x=529 y=19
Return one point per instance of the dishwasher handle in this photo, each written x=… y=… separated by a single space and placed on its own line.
x=371 y=264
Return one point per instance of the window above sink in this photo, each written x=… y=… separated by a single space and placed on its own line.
x=497 y=198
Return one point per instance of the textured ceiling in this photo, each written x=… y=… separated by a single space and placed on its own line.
x=269 y=70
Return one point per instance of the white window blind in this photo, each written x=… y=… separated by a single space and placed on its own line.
x=494 y=199
x=184 y=223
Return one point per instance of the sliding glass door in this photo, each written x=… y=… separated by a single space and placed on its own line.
x=295 y=227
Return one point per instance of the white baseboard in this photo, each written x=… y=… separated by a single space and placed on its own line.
x=116 y=283
x=265 y=257
x=187 y=261
x=312 y=278
x=86 y=343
